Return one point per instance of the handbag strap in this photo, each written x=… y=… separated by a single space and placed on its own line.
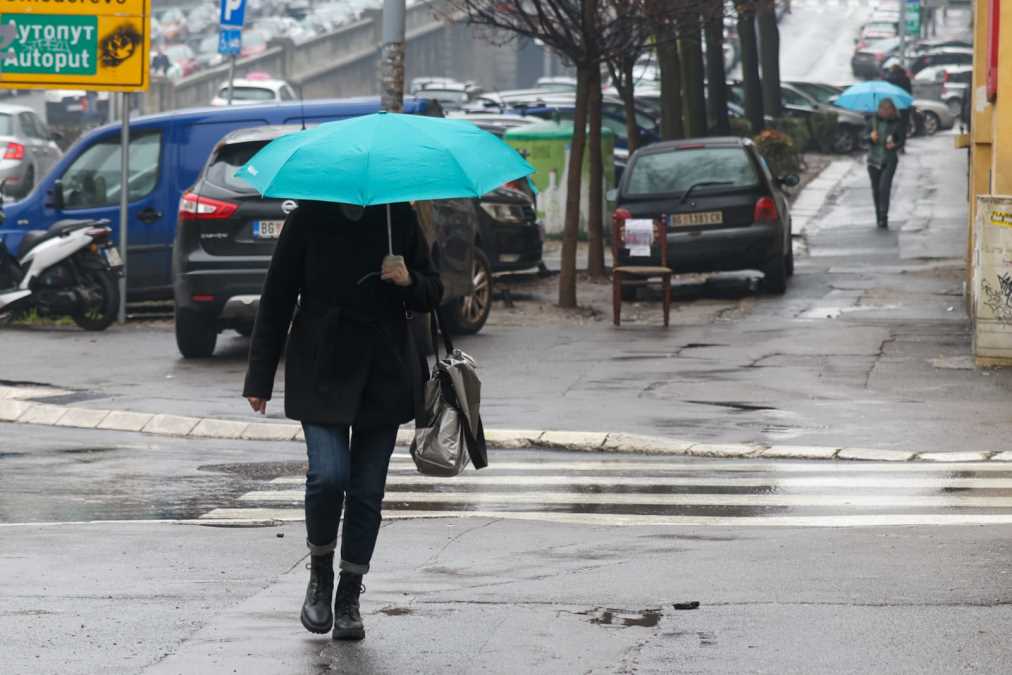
x=436 y=331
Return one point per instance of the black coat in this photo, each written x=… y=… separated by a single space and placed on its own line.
x=351 y=358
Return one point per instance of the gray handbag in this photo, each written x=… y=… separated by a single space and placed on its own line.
x=448 y=428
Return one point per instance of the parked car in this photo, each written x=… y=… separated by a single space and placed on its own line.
x=724 y=210
x=251 y=91
x=167 y=152
x=29 y=149
x=451 y=96
x=548 y=105
x=557 y=83
x=873 y=31
x=943 y=56
x=227 y=232
x=184 y=57
x=933 y=116
x=73 y=107
x=947 y=83
x=869 y=57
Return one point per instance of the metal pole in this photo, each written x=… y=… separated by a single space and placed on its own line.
x=392 y=56
x=903 y=33
x=231 y=78
x=124 y=198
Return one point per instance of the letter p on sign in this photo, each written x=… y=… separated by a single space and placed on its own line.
x=233 y=12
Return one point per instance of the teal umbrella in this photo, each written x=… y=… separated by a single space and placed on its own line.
x=384 y=158
x=865 y=96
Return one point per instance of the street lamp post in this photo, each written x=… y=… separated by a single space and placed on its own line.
x=392 y=56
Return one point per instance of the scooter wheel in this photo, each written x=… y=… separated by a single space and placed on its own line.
x=102 y=313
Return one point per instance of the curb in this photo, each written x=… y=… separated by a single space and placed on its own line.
x=15 y=408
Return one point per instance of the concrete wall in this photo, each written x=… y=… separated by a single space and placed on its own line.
x=346 y=62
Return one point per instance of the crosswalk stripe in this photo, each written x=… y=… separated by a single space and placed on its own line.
x=901 y=501
x=261 y=515
x=769 y=467
x=705 y=481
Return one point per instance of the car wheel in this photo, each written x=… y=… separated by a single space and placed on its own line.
x=470 y=313
x=100 y=314
x=932 y=123
x=196 y=334
x=844 y=141
x=790 y=260
x=775 y=275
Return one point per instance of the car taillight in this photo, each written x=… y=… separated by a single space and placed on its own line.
x=619 y=218
x=195 y=207
x=14 y=151
x=765 y=211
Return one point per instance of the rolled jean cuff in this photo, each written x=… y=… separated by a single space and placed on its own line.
x=354 y=568
x=321 y=550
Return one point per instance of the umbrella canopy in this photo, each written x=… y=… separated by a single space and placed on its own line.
x=384 y=158
x=866 y=96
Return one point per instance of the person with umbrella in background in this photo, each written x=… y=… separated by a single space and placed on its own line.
x=886 y=136
x=897 y=76
x=349 y=268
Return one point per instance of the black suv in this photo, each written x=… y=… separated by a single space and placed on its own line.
x=724 y=209
x=227 y=232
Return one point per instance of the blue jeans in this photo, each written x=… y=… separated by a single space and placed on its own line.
x=346 y=466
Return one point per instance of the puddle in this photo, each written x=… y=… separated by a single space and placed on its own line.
x=258 y=470
x=397 y=611
x=734 y=405
x=8 y=455
x=644 y=618
x=84 y=451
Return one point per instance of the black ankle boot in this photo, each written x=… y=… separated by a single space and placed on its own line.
x=316 y=614
x=347 y=619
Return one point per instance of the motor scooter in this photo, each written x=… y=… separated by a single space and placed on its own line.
x=72 y=269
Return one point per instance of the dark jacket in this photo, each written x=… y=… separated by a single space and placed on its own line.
x=350 y=359
x=878 y=154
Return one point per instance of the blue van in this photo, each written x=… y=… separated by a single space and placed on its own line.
x=167 y=152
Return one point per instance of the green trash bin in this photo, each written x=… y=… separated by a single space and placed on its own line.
x=546 y=146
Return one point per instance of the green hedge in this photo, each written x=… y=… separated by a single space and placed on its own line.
x=780 y=151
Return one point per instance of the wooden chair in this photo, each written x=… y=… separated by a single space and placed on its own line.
x=619 y=273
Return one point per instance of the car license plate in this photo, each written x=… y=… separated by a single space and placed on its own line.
x=703 y=218
x=112 y=256
x=75 y=107
x=267 y=229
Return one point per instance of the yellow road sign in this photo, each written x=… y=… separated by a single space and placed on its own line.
x=87 y=44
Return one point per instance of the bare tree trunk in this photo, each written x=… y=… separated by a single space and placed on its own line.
x=627 y=91
x=672 y=128
x=691 y=48
x=595 y=214
x=716 y=75
x=750 y=69
x=769 y=52
x=571 y=228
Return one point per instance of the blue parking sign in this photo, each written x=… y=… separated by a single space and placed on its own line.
x=230 y=41
x=233 y=12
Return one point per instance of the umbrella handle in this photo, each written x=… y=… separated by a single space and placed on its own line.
x=390 y=233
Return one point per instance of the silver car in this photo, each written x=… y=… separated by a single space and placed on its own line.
x=28 y=149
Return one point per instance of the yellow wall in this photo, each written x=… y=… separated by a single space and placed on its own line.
x=1001 y=119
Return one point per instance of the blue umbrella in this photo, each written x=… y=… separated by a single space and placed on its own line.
x=384 y=158
x=866 y=96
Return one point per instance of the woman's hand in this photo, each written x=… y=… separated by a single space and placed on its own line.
x=259 y=405
x=874 y=136
x=395 y=271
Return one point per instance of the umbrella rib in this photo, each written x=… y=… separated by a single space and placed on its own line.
x=463 y=171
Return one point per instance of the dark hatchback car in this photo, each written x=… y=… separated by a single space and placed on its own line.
x=227 y=232
x=724 y=209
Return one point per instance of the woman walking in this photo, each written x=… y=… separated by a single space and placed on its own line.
x=350 y=376
x=887 y=137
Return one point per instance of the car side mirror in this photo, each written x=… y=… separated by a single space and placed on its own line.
x=58 y=201
x=612 y=195
x=790 y=180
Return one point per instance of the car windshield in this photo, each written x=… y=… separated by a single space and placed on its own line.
x=228 y=160
x=248 y=94
x=676 y=171
x=6 y=124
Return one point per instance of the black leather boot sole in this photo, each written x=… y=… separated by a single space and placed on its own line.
x=350 y=633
